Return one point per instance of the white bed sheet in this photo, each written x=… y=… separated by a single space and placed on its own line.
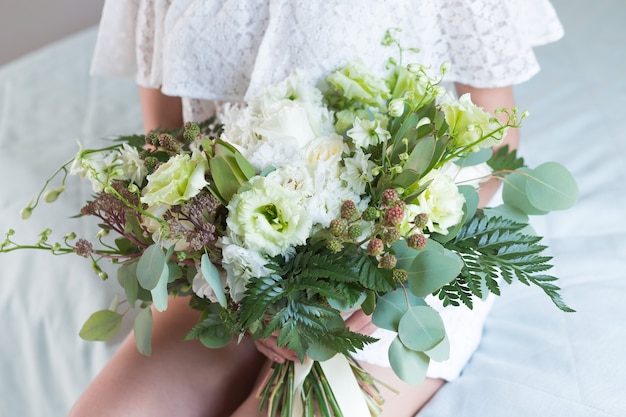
x=533 y=360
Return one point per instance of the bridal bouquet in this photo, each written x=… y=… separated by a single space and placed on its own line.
x=309 y=202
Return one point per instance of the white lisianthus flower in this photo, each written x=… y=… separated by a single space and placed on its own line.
x=366 y=133
x=267 y=217
x=133 y=166
x=358 y=171
x=275 y=154
x=441 y=201
x=241 y=265
x=469 y=124
x=177 y=180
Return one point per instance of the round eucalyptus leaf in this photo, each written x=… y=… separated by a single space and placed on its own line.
x=151 y=266
x=432 y=270
x=441 y=352
x=507 y=212
x=514 y=192
x=101 y=325
x=475 y=158
x=552 y=187
x=392 y=306
x=159 y=292
x=409 y=365
x=319 y=352
x=127 y=277
x=471 y=199
x=143 y=331
x=421 y=328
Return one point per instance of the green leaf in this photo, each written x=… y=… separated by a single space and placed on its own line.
x=421 y=328
x=392 y=306
x=471 y=200
x=441 y=352
x=223 y=178
x=151 y=266
x=101 y=325
x=514 y=192
x=159 y=293
x=409 y=365
x=212 y=277
x=127 y=277
x=507 y=212
x=143 y=331
x=475 y=158
x=431 y=270
x=421 y=156
x=211 y=332
x=345 y=305
x=552 y=187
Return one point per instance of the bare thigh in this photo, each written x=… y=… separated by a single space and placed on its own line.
x=180 y=378
x=410 y=399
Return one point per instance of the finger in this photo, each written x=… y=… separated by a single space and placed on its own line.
x=360 y=322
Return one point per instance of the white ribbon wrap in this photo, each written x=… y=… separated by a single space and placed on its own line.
x=342 y=381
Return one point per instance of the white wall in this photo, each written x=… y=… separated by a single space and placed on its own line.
x=26 y=25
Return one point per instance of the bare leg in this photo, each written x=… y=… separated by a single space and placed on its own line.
x=410 y=398
x=180 y=378
x=159 y=110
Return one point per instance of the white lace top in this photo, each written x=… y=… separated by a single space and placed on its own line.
x=224 y=50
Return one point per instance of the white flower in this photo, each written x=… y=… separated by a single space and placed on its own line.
x=177 y=180
x=133 y=166
x=298 y=86
x=441 y=201
x=295 y=177
x=288 y=121
x=366 y=133
x=201 y=287
x=267 y=217
x=241 y=265
x=99 y=167
x=470 y=126
x=358 y=171
x=325 y=149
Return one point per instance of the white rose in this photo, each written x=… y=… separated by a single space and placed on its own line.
x=327 y=149
x=286 y=120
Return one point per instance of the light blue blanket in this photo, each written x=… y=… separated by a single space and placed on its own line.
x=533 y=360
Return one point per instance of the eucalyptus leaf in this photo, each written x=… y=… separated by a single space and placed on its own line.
x=151 y=266
x=507 y=212
x=216 y=336
x=421 y=328
x=471 y=199
x=475 y=158
x=319 y=352
x=392 y=306
x=143 y=331
x=432 y=270
x=552 y=187
x=159 y=292
x=409 y=365
x=514 y=192
x=127 y=277
x=212 y=277
x=101 y=325
x=441 y=352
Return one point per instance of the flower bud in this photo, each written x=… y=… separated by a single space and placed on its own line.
x=70 y=236
x=417 y=241
x=394 y=216
x=396 y=107
x=354 y=231
x=26 y=212
x=421 y=220
x=334 y=245
x=370 y=214
x=388 y=261
x=337 y=227
x=52 y=195
x=389 y=196
x=414 y=68
x=400 y=275
x=348 y=209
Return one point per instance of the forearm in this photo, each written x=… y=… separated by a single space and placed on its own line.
x=159 y=110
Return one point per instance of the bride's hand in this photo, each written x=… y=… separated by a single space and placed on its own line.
x=269 y=347
x=359 y=322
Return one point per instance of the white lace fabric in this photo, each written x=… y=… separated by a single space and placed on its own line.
x=209 y=51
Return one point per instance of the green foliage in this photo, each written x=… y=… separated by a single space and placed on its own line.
x=143 y=331
x=492 y=247
x=504 y=160
x=101 y=325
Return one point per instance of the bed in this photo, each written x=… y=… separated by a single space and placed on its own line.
x=533 y=360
